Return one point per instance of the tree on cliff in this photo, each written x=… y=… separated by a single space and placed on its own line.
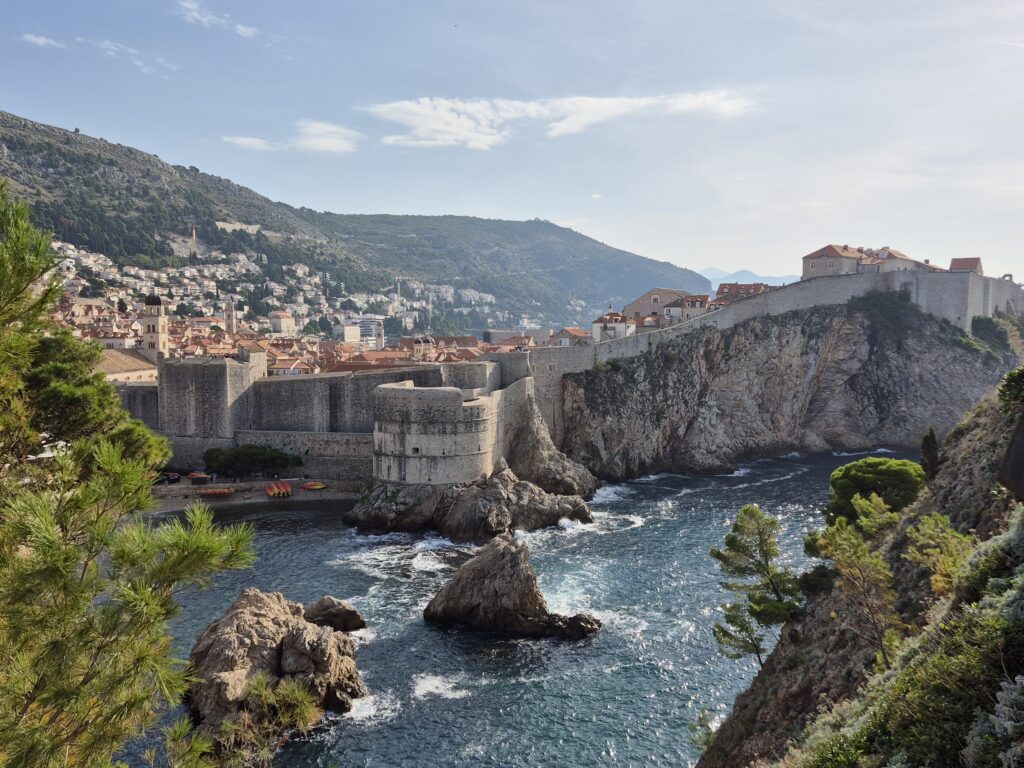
x=769 y=594
x=87 y=587
x=930 y=454
x=864 y=581
x=897 y=481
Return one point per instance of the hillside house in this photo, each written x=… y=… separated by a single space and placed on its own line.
x=966 y=265
x=612 y=325
x=733 y=291
x=847 y=260
x=570 y=337
x=653 y=302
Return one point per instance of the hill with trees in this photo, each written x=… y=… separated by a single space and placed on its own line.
x=132 y=206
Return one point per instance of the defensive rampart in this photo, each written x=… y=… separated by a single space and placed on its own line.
x=445 y=434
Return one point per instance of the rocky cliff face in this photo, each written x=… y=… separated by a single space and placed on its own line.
x=846 y=377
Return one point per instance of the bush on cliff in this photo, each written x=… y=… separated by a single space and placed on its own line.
x=896 y=481
x=248 y=460
x=1011 y=392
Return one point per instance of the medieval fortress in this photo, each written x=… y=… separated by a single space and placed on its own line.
x=442 y=423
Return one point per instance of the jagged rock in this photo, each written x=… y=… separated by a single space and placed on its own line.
x=473 y=512
x=265 y=633
x=497 y=591
x=535 y=458
x=334 y=613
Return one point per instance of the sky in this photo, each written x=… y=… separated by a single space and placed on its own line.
x=723 y=133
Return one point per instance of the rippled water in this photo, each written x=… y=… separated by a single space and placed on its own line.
x=444 y=697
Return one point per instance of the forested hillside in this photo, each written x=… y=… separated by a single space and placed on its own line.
x=130 y=205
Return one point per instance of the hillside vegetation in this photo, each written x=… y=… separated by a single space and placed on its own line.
x=944 y=686
x=130 y=205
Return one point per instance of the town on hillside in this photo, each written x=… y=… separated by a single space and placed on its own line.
x=304 y=325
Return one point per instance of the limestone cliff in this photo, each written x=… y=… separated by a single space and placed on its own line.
x=876 y=371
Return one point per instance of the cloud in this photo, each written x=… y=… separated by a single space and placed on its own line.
x=314 y=136
x=485 y=123
x=41 y=40
x=143 y=64
x=250 y=142
x=317 y=136
x=194 y=12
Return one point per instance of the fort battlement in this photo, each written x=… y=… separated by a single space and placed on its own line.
x=448 y=423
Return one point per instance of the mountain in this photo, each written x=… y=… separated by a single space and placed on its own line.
x=718 y=276
x=138 y=209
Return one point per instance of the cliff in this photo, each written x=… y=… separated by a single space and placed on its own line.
x=875 y=371
x=820 y=666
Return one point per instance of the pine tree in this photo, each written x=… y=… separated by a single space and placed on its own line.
x=87 y=584
x=864 y=581
x=769 y=593
x=930 y=454
x=939 y=548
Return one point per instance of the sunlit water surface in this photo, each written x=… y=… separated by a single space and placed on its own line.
x=444 y=697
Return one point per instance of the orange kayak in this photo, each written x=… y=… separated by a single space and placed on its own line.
x=315 y=485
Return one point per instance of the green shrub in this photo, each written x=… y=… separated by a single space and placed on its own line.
x=991 y=332
x=248 y=460
x=896 y=481
x=840 y=751
x=1011 y=392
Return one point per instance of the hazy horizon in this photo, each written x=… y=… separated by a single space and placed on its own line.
x=738 y=136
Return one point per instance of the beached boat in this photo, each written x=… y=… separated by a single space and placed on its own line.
x=216 y=493
x=314 y=485
x=279 y=490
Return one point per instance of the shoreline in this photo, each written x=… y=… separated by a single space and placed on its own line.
x=177 y=497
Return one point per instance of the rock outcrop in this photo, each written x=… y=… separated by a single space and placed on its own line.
x=535 y=458
x=878 y=372
x=497 y=591
x=263 y=633
x=474 y=512
x=334 y=613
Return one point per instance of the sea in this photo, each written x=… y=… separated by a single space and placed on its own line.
x=445 y=697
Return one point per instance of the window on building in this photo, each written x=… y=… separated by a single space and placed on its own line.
x=654 y=299
x=831 y=265
x=415 y=451
x=814 y=264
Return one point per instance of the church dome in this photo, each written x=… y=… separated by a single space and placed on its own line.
x=153 y=300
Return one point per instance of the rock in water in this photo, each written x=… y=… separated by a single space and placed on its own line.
x=497 y=591
x=334 y=613
x=473 y=512
x=265 y=633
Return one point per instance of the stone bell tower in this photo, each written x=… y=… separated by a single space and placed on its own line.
x=155 y=343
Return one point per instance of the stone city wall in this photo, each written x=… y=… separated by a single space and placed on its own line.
x=142 y=401
x=437 y=436
x=325 y=455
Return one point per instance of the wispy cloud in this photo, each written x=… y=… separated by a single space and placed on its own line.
x=194 y=12
x=251 y=142
x=315 y=136
x=485 y=123
x=41 y=40
x=142 y=63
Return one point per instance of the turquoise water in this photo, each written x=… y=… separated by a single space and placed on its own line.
x=444 y=697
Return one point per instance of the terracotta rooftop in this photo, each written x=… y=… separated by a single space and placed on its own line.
x=124 y=361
